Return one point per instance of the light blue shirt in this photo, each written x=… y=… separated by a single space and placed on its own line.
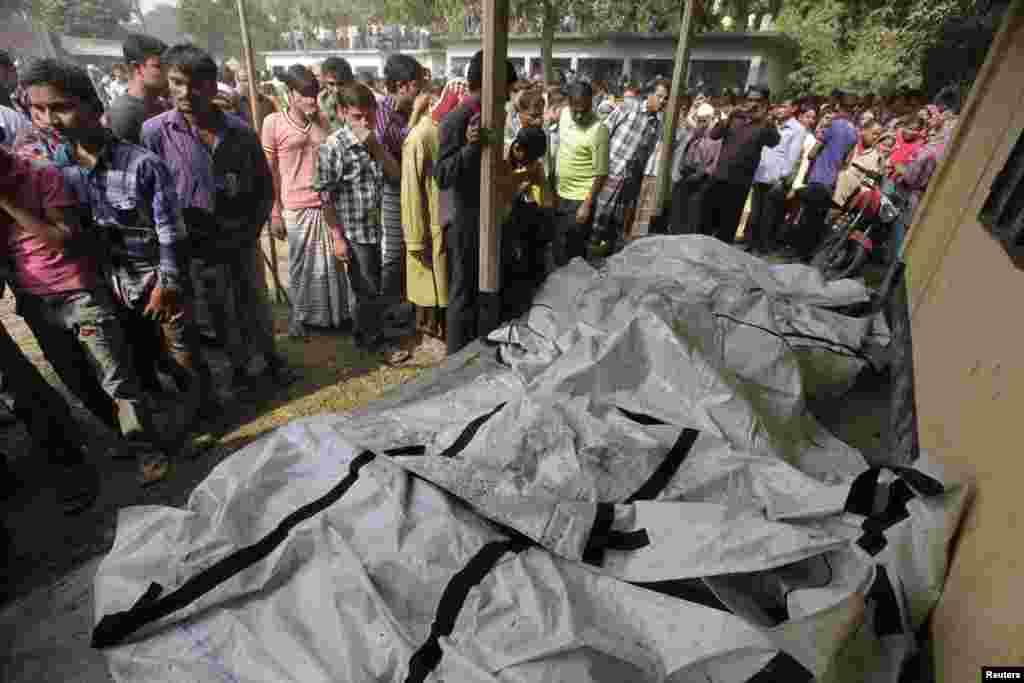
x=781 y=160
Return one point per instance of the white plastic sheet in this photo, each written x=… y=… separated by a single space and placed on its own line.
x=597 y=385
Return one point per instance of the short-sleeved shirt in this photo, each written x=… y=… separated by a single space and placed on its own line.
x=582 y=156
x=38 y=269
x=838 y=139
x=350 y=179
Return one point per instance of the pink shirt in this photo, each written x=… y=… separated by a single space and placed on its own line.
x=292 y=152
x=38 y=269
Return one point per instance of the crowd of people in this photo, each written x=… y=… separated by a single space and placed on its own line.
x=132 y=228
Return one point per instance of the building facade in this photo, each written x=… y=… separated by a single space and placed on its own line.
x=717 y=60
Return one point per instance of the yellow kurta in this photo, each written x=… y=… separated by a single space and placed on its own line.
x=425 y=286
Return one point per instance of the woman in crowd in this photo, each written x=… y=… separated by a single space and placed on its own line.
x=291 y=140
x=423 y=220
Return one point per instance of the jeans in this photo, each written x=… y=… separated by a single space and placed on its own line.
x=44 y=412
x=364 y=281
x=817 y=200
x=87 y=320
x=571 y=238
x=176 y=340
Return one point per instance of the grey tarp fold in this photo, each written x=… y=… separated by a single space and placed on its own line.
x=596 y=385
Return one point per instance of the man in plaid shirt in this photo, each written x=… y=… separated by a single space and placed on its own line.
x=633 y=132
x=349 y=177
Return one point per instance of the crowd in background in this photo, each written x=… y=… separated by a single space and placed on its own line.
x=132 y=210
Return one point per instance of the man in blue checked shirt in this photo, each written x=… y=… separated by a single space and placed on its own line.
x=129 y=198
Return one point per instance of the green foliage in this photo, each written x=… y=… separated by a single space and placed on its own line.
x=214 y=26
x=865 y=45
x=85 y=18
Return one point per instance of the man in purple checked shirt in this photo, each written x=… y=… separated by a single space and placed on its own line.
x=397 y=113
x=226 y=193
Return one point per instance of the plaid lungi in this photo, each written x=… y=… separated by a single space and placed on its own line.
x=646 y=209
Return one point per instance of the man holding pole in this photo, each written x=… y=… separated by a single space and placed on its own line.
x=458 y=170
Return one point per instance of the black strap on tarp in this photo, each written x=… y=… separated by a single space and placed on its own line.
x=660 y=478
x=887 y=618
x=468 y=433
x=783 y=668
x=114 y=628
x=428 y=656
x=909 y=484
x=602 y=537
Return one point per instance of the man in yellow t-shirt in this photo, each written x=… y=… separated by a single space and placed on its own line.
x=582 y=169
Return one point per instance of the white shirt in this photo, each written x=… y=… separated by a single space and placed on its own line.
x=11 y=122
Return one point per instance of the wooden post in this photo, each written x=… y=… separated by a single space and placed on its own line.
x=679 y=80
x=493 y=121
x=257 y=122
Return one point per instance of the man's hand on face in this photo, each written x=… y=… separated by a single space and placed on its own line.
x=473 y=136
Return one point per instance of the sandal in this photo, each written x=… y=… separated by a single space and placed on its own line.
x=154 y=466
x=78 y=486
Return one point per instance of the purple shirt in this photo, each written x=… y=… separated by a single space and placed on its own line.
x=226 y=190
x=838 y=139
x=392 y=127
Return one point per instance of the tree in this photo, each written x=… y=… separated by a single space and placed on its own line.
x=867 y=45
x=163 y=22
x=213 y=25
x=85 y=18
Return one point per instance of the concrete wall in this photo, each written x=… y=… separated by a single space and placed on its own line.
x=965 y=297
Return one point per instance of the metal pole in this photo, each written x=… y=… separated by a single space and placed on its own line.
x=257 y=122
x=668 y=133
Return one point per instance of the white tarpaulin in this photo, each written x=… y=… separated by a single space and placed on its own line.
x=630 y=488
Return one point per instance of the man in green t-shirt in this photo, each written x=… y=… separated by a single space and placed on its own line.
x=582 y=169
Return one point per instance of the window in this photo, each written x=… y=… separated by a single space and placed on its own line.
x=1003 y=212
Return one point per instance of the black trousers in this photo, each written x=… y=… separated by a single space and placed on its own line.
x=571 y=238
x=817 y=200
x=364 y=277
x=724 y=208
x=43 y=411
x=766 y=208
x=463 y=247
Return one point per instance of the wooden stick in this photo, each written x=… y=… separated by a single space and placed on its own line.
x=668 y=132
x=493 y=122
x=257 y=122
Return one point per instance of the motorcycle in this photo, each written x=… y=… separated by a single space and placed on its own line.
x=859 y=231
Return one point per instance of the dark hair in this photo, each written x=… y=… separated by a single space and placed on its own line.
x=66 y=77
x=948 y=98
x=401 y=68
x=663 y=82
x=534 y=141
x=137 y=48
x=190 y=60
x=357 y=95
x=475 y=75
x=5 y=59
x=339 y=68
x=300 y=79
x=579 y=89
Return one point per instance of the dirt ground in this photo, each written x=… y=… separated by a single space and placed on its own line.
x=334 y=377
